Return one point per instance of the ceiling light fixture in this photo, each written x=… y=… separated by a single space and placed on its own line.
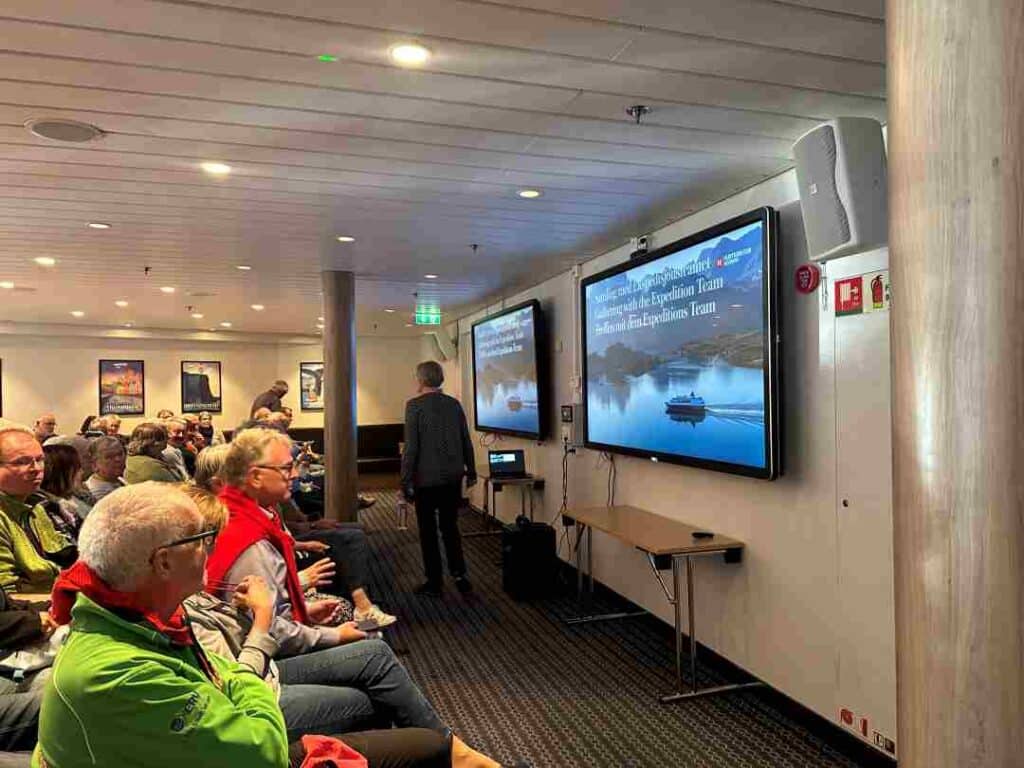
x=409 y=54
x=320 y=326
x=197 y=315
x=129 y=325
x=346 y=239
x=216 y=169
x=431 y=277
x=529 y=194
x=243 y=267
x=390 y=311
x=225 y=324
x=167 y=288
x=257 y=307
x=7 y=285
x=98 y=225
x=121 y=303
x=77 y=313
x=45 y=261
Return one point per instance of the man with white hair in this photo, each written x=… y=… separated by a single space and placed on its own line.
x=131 y=686
x=45 y=427
x=28 y=539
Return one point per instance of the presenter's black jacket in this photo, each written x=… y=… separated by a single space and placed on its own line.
x=438 y=449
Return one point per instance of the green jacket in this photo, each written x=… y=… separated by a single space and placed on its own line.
x=22 y=567
x=140 y=469
x=121 y=694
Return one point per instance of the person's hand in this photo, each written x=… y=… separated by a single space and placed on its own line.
x=253 y=593
x=347 y=633
x=470 y=481
x=319 y=574
x=323 y=525
x=321 y=610
x=316 y=547
x=49 y=625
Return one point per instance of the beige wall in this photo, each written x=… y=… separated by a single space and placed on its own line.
x=59 y=373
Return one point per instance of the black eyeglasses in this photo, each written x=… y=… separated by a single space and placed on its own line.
x=285 y=470
x=207 y=537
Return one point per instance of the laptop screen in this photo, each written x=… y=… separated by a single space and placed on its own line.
x=507 y=462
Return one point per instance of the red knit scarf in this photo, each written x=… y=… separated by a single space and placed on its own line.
x=248 y=524
x=80 y=578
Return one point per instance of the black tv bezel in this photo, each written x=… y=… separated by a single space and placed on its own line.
x=540 y=350
x=768 y=217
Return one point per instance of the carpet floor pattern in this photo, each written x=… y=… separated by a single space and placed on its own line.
x=517 y=683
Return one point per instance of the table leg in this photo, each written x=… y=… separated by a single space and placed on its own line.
x=579 y=570
x=677 y=605
x=692 y=628
x=490 y=504
x=590 y=561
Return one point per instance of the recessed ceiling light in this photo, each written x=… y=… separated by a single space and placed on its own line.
x=225 y=324
x=77 y=313
x=326 y=57
x=243 y=267
x=408 y=325
x=409 y=54
x=257 y=307
x=197 y=315
x=44 y=261
x=121 y=303
x=129 y=325
x=529 y=194
x=59 y=129
x=346 y=239
x=320 y=326
x=389 y=311
x=320 y=319
x=167 y=288
x=98 y=225
x=216 y=169
x=7 y=285
x=431 y=277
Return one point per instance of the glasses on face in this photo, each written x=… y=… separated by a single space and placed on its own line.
x=207 y=537
x=25 y=463
x=285 y=470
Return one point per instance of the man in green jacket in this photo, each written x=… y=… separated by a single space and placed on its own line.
x=27 y=536
x=131 y=687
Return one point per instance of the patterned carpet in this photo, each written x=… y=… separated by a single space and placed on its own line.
x=517 y=683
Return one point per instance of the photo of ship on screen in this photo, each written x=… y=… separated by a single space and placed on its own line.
x=680 y=355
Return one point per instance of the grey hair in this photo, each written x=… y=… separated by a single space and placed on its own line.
x=7 y=426
x=281 y=383
x=248 y=448
x=430 y=374
x=126 y=526
x=104 y=446
x=210 y=465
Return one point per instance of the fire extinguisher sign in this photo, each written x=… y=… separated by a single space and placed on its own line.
x=863 y=294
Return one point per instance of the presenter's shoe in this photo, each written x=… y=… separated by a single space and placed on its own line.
x=365 y=502
x=429 y=588
x=463 y=585
x=374 y=613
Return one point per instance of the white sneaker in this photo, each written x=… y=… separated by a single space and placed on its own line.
x=376 y=614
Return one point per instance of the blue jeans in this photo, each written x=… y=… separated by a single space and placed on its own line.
x=366 y=682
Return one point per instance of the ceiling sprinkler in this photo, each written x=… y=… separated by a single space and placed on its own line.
x=638 y=111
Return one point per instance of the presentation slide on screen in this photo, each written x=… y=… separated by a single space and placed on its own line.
x=675 y=353
x=505 y=357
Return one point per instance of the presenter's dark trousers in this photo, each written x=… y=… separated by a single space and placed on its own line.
x=440 y=505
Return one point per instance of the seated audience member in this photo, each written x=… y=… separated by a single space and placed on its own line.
x=210 y=434
x=131 y=686
x=163 y=414
x=193 y=436
x=114 y=429
x=22 y=626
x=108 y=462
x=174 y=453
x=278 y=421
x=349 y=549
x=145 y=456
x=45 y=427
x=68 y=502
x=80 y=443
x=31 y=549
x=261 y=414
x=93 y=426
x=338 y=689
x=257 y=475
x=269 y=400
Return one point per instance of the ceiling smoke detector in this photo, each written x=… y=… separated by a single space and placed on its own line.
x=59 y=129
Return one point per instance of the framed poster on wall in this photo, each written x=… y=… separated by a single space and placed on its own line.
x=311 y=386
x=200 y=386
x=122 y=385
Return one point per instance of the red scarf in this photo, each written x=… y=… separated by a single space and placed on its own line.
x=80 y=578
x=248 y=524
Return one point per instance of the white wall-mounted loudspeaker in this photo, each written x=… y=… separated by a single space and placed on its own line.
x=840 y=167
x=449 y=349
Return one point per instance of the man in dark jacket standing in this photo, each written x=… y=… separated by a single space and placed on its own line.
x=438 y=454
x=270 y=399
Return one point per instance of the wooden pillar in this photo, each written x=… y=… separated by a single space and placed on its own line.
x=956 y=174
x=340 y=400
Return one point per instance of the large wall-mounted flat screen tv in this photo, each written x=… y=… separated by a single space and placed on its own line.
x=680 y=351
x=510 y=372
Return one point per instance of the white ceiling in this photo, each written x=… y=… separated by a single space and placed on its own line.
x=417 y=165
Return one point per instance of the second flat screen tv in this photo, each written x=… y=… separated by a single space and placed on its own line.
x=680 y=353
x=509 y=372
